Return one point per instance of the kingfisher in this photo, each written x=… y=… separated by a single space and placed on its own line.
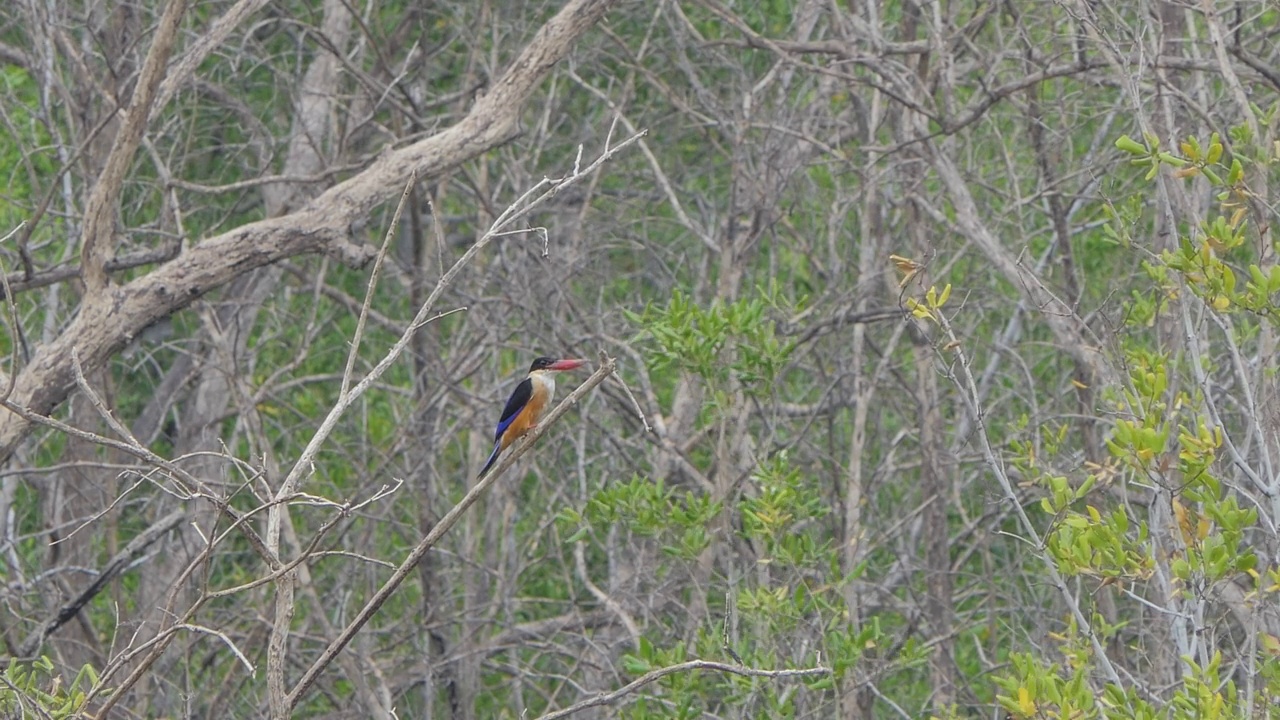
x=527 y=404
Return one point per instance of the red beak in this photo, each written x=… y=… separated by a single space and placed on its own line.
x=567 y=364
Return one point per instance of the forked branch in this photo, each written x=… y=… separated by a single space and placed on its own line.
x=438 y=531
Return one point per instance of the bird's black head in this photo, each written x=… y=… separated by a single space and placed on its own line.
x=542 y=363
x=556 y=364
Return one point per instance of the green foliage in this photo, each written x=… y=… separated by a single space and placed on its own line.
x=649 y=509
x=1168 y=433
x=845 y=646
x=1035 y=689
x=736 y=340
x=1208 y=516
x=1083 y=540
x=783 y=505
x=779 y=514
x=1149 y=155
x=35 y=690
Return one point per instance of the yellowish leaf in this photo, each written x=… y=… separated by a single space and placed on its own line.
x=1026 y=705
x=906 y=265
x=1270 y=643
x=1184 y=516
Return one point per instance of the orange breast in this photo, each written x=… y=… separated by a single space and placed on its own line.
x=528 y=417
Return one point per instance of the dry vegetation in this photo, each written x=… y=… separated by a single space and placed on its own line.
x=271 y=268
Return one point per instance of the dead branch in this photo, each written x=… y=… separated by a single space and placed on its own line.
x=450 y=518
x=100 y=212
x=652 y=676
x=114 y=567
x=105 y=324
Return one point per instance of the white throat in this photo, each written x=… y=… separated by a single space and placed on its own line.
x=545 y=380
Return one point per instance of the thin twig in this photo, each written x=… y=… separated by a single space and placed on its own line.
x=156 y=646
x=98 y=404
x=175 y=473
x=14 y=331
x=114 y=567
x=98 y=515
x=310 y=551
x=634 y=403
x=345 y=399
x=970 y=396
x=438 y=531
x=221 y=636
x=654 y=675
x=373 y=284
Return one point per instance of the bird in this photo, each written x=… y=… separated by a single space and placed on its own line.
x=527 y=404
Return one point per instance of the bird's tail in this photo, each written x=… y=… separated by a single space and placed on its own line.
x=497 y=448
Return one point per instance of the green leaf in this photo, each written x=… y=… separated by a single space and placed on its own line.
x=1237 y=172
x=1131 y=146
x=635 y=665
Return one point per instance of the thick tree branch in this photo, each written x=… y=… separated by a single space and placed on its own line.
x=106 y=323
x=209 y=40
x=20 y=281
x=100 y=212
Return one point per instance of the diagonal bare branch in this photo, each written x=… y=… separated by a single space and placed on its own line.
x=100 y=213
x=116 y=565
x=438 y=531
x=107 y=323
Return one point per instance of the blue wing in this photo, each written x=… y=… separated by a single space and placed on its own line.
x=519 y=399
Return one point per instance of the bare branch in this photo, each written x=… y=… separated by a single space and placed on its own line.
x=438 y=531
x=116 y=565
x=963 y=379
x=209 y=40
x=652 y=676
x=100 y=213
x=101 y=328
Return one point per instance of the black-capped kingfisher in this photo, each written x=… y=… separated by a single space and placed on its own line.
x=527 y=404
